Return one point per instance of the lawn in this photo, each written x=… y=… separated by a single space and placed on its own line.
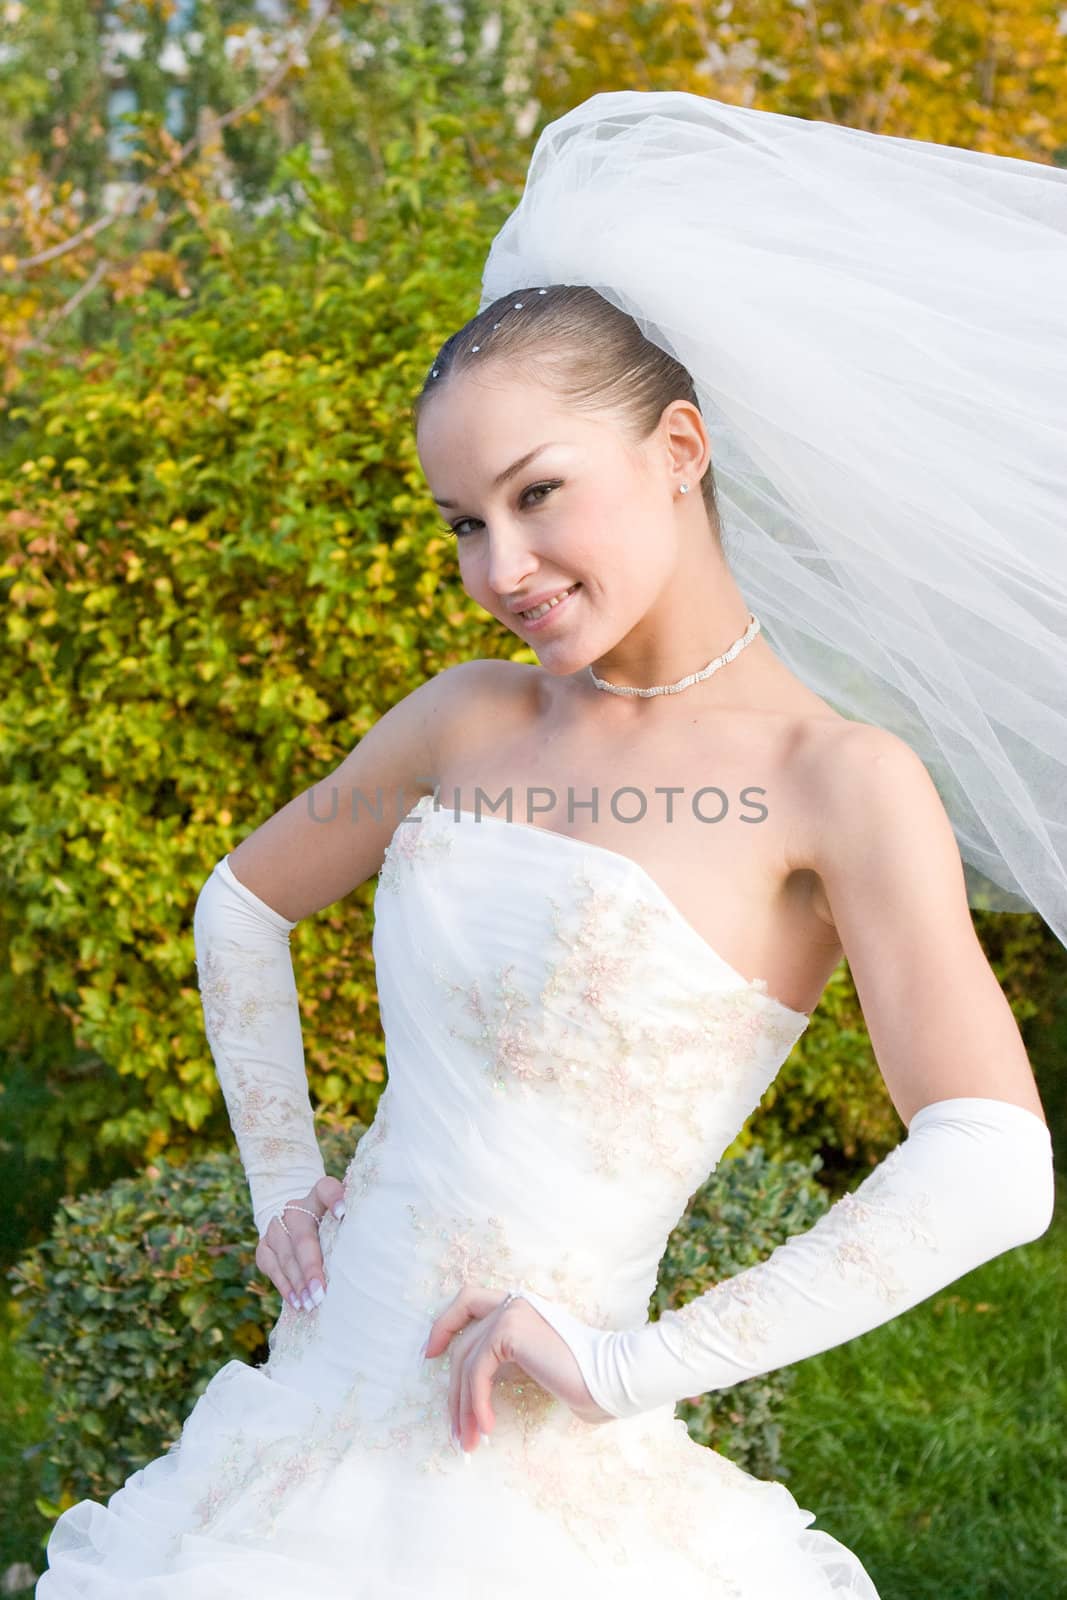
x=935 y=1447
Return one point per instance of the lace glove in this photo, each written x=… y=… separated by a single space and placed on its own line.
x=973 y=1178
x=252 y=1020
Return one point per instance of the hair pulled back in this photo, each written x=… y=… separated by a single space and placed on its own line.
x=583 y=348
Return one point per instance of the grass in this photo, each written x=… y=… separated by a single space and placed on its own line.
x=935 y=1447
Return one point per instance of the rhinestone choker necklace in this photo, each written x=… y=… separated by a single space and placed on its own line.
x=693 y=677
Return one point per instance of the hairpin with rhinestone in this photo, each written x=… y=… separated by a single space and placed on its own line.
x=476 y=347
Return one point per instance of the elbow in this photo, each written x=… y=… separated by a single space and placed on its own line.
x=1031 y=1183
x=1042 y=1201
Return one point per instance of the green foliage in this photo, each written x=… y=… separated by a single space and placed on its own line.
x=23 y=1422
x=750 y=1205
x=829 y=1099
x=220 y=566
x=141 y=1293
x=147 y=1288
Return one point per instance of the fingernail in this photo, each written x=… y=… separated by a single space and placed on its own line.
x=318 y=1293
x=424 y=1346
x=339 y=1210
x=294 y=1301
x=485 y=1438
x=466 y=1458
x=306 y=1301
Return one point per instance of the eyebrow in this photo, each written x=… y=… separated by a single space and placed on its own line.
x=508 y=472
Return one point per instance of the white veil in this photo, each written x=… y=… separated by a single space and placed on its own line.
x=877 y=332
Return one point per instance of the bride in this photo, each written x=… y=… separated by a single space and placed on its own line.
x=580 y=863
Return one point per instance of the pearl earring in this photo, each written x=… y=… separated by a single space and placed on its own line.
x=684 y=488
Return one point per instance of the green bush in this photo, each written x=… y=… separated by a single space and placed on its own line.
x=750 y=1204
x=146 y=1288
x=142 y=1292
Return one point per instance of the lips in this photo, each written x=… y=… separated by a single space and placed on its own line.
x=558 y=595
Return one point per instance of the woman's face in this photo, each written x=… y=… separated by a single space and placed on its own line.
x=589 y=509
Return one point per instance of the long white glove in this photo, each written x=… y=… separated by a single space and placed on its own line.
x=252 y=1020
x=973 y=1178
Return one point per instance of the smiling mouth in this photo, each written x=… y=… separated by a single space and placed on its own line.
x=549 y=605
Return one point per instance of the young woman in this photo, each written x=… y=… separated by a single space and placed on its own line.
x=611 y=889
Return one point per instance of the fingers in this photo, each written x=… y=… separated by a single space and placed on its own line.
x=451 y=1321
x=307 y=1254
x=297 y=1260
x=330 y=1194
x=477 y=1356
x=467 y=1428
x=267 y=1261
x=475 y=1409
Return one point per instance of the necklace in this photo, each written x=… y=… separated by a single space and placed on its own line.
x=693 y=677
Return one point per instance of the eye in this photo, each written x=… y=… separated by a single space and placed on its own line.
x=454 y=527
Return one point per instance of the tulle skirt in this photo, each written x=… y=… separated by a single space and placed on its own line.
x=268 y=1492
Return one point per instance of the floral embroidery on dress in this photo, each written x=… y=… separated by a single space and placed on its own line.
x=644 y=1084
x=599 y=1491
x=362 y=1170
x=454 y=1250
x=411 y=842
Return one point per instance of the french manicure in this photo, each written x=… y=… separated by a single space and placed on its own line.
x=306 y=1301
x=485 y=1438
x=318 y=1293
x=339 y=1210
x=294 y=1301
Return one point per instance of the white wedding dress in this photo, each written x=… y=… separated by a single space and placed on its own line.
x=567 y=1061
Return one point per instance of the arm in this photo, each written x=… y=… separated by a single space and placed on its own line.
x=252 y=1021
x=307 y=856
x=974 y=1176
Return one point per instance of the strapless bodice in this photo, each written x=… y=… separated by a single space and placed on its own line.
x=567 y=1061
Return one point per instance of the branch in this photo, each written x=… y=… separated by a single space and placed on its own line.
x=141 y=189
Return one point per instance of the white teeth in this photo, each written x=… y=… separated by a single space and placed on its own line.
x=539 y=611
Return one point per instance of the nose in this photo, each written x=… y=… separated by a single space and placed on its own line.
x=509 y=562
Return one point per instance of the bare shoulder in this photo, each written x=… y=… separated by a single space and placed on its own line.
x=472 y=693
x=485 y=677
x=873 y=804
x=843 y=762
x=855 y=785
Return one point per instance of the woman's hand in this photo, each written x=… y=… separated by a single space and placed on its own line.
x=293 y=1260
x=490 y=1339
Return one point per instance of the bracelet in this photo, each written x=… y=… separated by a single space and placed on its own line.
x=291 y=1205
